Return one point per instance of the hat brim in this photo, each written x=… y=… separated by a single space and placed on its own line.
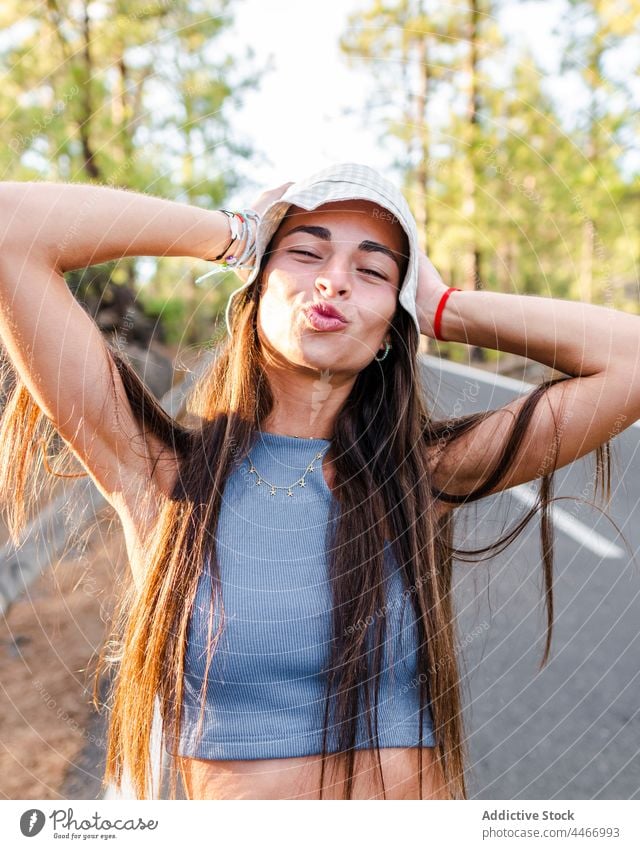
x=319 y=193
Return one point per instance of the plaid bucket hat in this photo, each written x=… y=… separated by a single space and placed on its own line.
x=346 y=181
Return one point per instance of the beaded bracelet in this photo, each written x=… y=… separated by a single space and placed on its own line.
x=247 y=215
x=231 y=261
x=239 y=233
x=233 y=227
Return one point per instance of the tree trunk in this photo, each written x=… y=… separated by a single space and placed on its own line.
x=422 y=99
x=474 y=280
x=89 y=165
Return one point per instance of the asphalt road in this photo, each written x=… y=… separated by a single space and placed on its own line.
x=572 y=730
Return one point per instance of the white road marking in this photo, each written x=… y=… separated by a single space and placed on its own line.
x=519 y=386
x=577 y=530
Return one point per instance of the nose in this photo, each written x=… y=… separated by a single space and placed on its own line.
x=334 y=278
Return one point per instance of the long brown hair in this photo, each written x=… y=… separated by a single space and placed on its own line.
x=381 y=449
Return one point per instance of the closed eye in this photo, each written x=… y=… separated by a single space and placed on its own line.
x=313 y=256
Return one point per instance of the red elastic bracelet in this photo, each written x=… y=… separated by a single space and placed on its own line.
x=438 y=317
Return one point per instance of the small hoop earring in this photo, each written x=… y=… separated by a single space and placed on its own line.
x=387 y=348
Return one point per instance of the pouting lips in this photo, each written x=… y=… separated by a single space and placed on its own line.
x=328 y=310
x=319 y=321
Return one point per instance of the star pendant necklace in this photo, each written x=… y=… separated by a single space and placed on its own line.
x=273 y=488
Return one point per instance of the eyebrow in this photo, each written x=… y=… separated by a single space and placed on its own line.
x=325 y=234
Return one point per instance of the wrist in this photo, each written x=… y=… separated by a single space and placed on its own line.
x=229 y=236
x=216 y=237
x=235 y=241
x=434 y=315
x=439 y=312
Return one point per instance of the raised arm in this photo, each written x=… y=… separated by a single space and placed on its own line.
x=69 y=226
x=599 y=348
x=55 y=346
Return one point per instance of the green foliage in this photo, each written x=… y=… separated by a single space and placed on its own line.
x=189 y=314
x=129 y=93
x=512 y=195
x=172 y=313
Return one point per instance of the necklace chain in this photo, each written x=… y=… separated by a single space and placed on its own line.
x=273 y=488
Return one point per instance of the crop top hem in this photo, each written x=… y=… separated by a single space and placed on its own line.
x=245 y=749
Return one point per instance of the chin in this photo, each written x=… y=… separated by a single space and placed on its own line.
x=328 y=362
x=323 y=351
x=314 y=360
x=317 y=352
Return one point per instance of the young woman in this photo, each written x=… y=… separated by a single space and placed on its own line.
x=290 y=606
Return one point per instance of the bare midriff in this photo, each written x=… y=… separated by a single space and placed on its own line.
x=299 y=778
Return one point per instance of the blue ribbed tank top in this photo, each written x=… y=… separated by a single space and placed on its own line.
x=266 y=684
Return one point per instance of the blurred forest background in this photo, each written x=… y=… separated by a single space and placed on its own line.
x=512 y=191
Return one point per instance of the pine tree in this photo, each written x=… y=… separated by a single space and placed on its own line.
x=598 y=30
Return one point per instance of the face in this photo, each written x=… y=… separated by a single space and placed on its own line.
x=350 y=255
